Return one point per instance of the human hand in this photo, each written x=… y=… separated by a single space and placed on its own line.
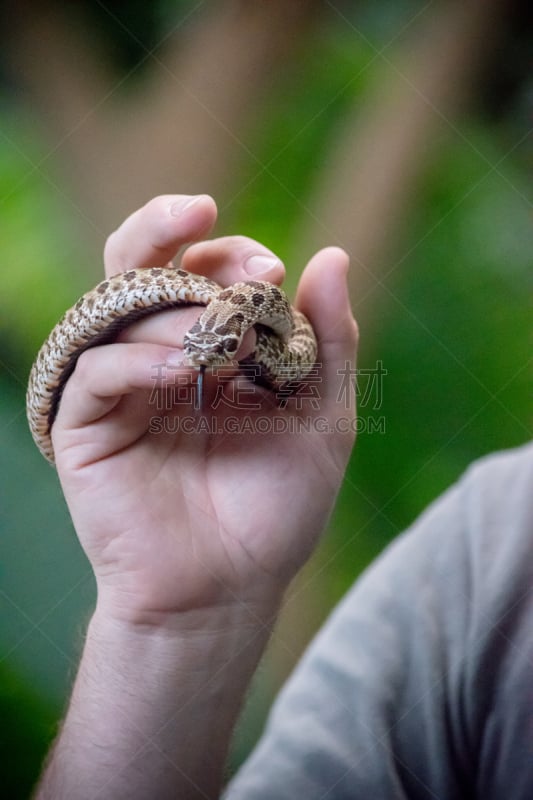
x=176 y=522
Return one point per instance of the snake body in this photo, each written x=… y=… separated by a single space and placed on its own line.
x=285 y=348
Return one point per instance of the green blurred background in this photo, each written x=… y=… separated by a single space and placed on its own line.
x=399 y=130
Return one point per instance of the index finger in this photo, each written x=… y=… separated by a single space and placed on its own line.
x=152 y=235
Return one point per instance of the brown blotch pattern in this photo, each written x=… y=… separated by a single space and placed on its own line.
x=96 y=310
x=235 y=320
x=231 y=325
x=209 y=323
x=226 y=328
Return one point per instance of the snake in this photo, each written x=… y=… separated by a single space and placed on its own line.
x=285 y=349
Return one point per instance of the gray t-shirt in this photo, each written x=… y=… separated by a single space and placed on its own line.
x=421 y=683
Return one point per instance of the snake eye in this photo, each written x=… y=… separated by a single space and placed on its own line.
x=230 y=345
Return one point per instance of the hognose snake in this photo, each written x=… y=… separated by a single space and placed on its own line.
x=285 y=349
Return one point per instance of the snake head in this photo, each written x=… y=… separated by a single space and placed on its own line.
x=205 y=348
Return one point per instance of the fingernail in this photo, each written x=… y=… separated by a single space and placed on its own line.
x=179 y=206
x=257 y=264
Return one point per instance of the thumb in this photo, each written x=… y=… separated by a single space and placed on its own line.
x=323 y=297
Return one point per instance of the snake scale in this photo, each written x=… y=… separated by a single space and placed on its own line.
x=285 y=343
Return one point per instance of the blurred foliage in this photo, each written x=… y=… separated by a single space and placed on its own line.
x=28 y=726
x=36 y=215
x=290 y=150
x=455 y=339
x=454 y=336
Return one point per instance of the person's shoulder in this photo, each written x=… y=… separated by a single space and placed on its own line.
x=482 y=522
x=505 y=465
x=495 y=487
x=498 y=492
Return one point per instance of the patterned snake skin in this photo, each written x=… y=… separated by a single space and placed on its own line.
x=285 y=349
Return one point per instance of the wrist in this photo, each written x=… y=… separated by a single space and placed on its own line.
x=149 y=611
x=203 y=662
x=162 y=695
x=191 y=631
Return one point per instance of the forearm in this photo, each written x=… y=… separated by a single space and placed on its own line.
x=153 y=707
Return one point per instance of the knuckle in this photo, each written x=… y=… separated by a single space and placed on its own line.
x=84 y=369
x=157 y=205
x=355 y=331
x=239 y=243
x=239 y=240
x=110 y=246
x=250 y=247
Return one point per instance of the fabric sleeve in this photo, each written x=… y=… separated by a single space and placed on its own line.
x=405 y=693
